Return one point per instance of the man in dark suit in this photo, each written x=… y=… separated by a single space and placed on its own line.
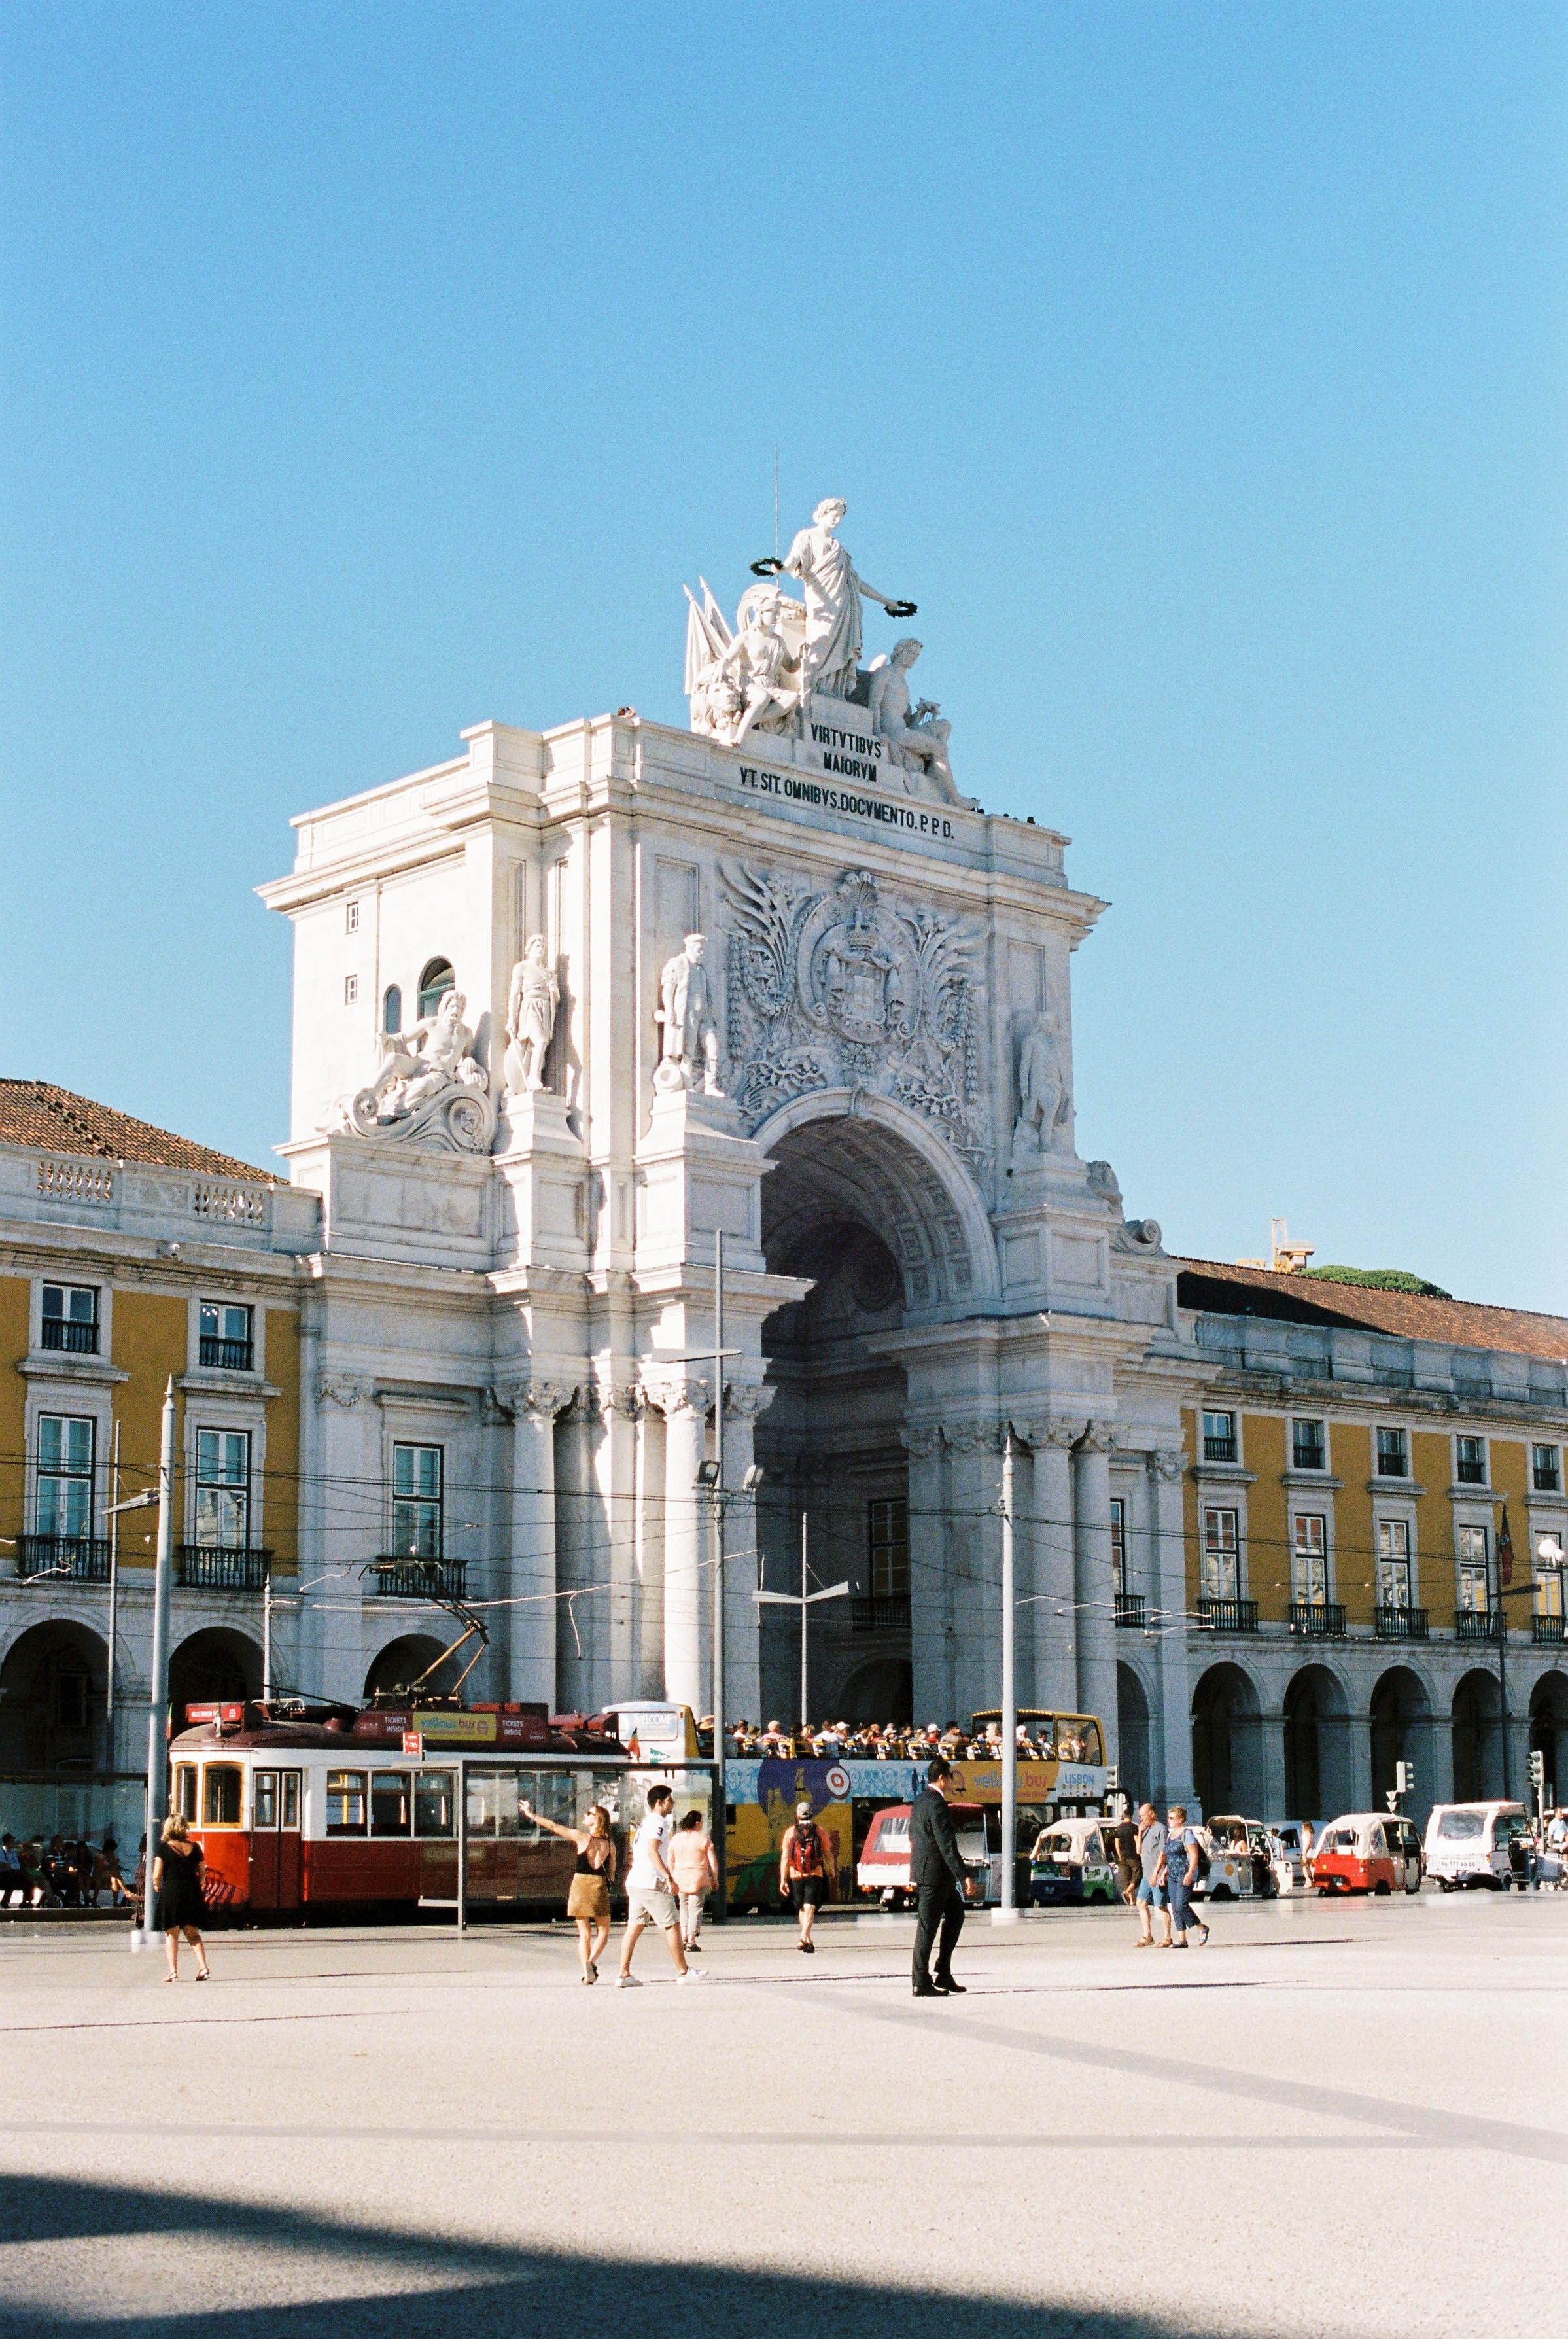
x=942 y=1884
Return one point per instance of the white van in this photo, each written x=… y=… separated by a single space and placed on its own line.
x=1469 y=1843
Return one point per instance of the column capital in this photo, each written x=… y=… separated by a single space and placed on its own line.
x=979 y=1437
x=922 y=1441
x=674 y=1392
x=747 y=1398
x=1099 y=1438
x=542 y=1398
x=625 y=1397
x=1165 y=1463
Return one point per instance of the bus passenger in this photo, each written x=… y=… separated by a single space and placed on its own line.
x=588 y=1895
x=177 y=1886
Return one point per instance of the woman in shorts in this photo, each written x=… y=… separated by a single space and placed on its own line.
x=808 y=1872
x=694 y=1866
x=589 y=1896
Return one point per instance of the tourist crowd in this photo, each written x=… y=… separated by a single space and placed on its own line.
x=890 y=1742
x=64 y=1872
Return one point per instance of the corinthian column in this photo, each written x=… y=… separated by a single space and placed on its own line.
x=685 y=1405
x=1167 y=1587
x=1096 y=1606
x=531 y=1634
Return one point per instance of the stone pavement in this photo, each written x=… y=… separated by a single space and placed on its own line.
x=1346 y=2121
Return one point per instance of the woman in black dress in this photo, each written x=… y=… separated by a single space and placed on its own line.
x=177 y=1906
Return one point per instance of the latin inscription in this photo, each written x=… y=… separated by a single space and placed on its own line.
x=811 y=791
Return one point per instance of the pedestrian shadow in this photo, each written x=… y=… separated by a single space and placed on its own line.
x=312 y=2275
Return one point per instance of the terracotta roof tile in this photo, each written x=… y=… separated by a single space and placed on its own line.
x=1219 y=1289
x=36 y=1112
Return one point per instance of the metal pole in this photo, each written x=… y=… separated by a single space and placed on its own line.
x=1500 y=1615
x=1008 y=1912
x=158 y=1690
x=114 y=1605
x=721 y=1812
x=266 y=1631
x=805 y=1623
x=462 y=1846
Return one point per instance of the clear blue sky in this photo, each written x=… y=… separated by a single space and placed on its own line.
x=1198 y=370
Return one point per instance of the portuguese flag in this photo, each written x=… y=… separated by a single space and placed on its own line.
x=1505 y=1551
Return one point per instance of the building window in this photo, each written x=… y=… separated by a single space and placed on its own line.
x=65 y=1446
x=1221 y=1554
x=416 y=1502
x=1309 y=1559
x=1118 y=1545
x=1394 y=1563
x=225 y=1334
x=223 y=1489
x=1548 y=1579
x=1392 y=1454
x=69 y=1319
x=351 y=990
x=1470 y=1461
x=1308 y=1446
x=1219 y=1437
x=887 y=1547
x=392 y=1009
x=351 y=917
x=1475 y=1570
x=1547 y=1469
x=435 y=982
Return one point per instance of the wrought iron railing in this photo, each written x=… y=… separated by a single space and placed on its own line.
x=1477 y=1623
x=84 y=1558
x=1129 y=1610
x=882 y=1611
x=418 y=1579
x=1400 y=1623
x=1322 y=1620
x=228 y=1355
x=221 y=1567
x=1546 y=1631
x=75 y=1339
x=1227 y=1615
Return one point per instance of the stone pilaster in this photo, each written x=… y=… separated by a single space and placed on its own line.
x=684 y=1403
x=1093 y=1580
x=530 y=1637
x=1170 y=1731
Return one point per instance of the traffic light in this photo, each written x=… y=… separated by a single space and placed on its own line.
x=1537 y=1769
x=1113 y=1777
x=1404 y=1778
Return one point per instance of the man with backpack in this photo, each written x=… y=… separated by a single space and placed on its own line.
x=808 y=1872
x=1185 y=1865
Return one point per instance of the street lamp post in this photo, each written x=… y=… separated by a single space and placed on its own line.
x=158 y=1694
x=1007 y=1914
x=805 y=1601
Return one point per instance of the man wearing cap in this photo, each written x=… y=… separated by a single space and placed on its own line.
x=808 y=1872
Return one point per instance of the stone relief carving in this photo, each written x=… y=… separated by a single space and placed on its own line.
x=1165 y=1465
x=689 y=1045
x=543 y=1399
x=532 y=1001
x=429 y=1085
x=1098 y=1436
x=341 y=1388
x=835 y=989
x=1044 y=1098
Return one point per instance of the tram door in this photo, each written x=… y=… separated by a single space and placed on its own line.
x=275 y=1840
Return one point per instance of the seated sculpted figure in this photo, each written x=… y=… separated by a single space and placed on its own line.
x=420 y=1065
x=753 y=668
x=919 y=738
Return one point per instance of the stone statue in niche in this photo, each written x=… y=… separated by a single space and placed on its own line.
x=918 y=738
x=689 y=1048
x=1044 y=1100
x=428 y=1082
x=531 y=1004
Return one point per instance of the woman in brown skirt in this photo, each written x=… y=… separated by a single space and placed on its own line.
x=588 y=1901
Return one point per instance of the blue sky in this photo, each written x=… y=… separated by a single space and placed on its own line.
x=1199 y=371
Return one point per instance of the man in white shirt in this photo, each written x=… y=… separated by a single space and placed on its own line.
x=651 y=1895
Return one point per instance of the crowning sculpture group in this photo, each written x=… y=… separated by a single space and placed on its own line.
x=822 y=986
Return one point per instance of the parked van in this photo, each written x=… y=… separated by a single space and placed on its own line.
x=1369 y=1852
x=1071 y=1864
x=1471 y=1843
x=884 y=1864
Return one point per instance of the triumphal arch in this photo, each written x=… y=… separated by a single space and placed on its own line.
x=573 y=1002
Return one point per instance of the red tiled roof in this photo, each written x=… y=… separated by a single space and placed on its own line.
x=1219 y=1289
x=36 y=1112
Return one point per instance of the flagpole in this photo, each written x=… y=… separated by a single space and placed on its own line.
x=1505 y=1546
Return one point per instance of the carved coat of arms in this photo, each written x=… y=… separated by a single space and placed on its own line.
x=838 y=988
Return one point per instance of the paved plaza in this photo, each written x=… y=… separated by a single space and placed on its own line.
x=1344 y=2120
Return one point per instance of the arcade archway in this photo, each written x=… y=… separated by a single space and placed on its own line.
x=53 y=1686
x=1477 y=1740
x=1317 y=1747
x=1549 y=1731
x=395 y=1668
x=1401 y=1730
x=1132 y=1747
x=1227 y=1740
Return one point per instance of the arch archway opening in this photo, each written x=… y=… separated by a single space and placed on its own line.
x=1549 y=1733
x=1400 y=1726
x=1226 y=1742
x=214 y=1666
x=54 y=1687
x=395 y=1670
x=1318 y=1776
x=1477 y=1739
x=1132 y=1739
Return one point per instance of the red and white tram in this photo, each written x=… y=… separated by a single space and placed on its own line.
x=358 y=1813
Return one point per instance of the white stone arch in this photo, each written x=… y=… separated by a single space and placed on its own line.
x=80 y=1613
x=894 y=1172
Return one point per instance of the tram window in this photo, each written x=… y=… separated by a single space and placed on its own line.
x=434 y=1803
x=488 y=1791
x=264 y=1799
x=552 y=1793
x=185 y=1789
x=345 y=1803
x=290 y=1798
x=221 y=1795
x=388 y=1802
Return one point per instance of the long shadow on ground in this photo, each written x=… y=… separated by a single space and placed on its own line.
x=359 y=2281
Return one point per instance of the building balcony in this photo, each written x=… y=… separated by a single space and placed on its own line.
x=418 y=1579
x=1320 y=1620
x=1546 y=1632
x=84 y=1558
x=1478 y=1624
x=1129 y=1610
x=221 y=1567
x=1400 y=1623
x=227 y=1355
x=1227 y=1615
x=72 y=1340
x=884 y=1612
